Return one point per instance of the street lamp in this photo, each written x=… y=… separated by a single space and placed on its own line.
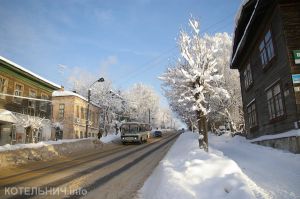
x=88 y=107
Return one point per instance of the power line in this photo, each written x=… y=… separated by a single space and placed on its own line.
x=149 y=64
x=145 y=65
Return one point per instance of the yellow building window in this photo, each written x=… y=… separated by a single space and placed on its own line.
x=18 y=92
x=61 y=111
x=3 y=86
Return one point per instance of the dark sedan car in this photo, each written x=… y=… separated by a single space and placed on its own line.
x=157 y=133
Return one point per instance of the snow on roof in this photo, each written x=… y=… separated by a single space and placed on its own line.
x=29 y=72
x=246 y=29
x=71 y=93
x=292 y=133
x=239 y=12
x=67 y=93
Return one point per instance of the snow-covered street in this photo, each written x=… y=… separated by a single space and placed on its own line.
x=233 y=168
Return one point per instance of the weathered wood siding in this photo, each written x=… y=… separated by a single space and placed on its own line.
x=278 y=70
x=290 y=13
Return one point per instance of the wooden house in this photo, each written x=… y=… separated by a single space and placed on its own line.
x=266 y=51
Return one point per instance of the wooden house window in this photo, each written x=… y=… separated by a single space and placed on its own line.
x=266 y=49
x=252 y=115
x=61 y=111
x=248 y=76
x=275 y=102
x=3 y=86
x=18 y=92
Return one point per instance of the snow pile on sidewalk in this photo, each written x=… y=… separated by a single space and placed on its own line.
x=9 y=147
x=110 y=138
x=276 y=171
x=188 y=172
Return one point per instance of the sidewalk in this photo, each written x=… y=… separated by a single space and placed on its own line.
x=188 y=172
x=274 y=170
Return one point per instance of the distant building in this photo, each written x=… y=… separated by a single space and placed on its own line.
x=25 y=106
x=266 y=51
x=69 y=115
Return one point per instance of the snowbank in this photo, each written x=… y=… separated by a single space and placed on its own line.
x=275 y=171
x=188 y=172
x=110 y=138
x=23 y=154
x=9 y=147
x=291 y=133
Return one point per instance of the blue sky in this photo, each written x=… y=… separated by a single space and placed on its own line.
x=106 y=37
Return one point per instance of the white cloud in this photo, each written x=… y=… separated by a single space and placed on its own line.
x=107 y=63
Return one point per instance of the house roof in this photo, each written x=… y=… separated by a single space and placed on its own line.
x=244 y=19
x=71 y=93
x=28 y=73
x=248 y=21
x=7 y=116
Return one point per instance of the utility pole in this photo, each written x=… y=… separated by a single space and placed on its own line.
x=87 y=114
x=88 y=106
x=149 y=116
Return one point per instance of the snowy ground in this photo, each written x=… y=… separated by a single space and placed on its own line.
x=110 y=138
x=244 y=171
x=276 y=171
x=7 y=147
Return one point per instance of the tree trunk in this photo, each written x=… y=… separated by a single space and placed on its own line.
x=205 y=133
x=202 y=127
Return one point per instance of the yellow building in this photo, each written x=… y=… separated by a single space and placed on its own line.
x=69 y=115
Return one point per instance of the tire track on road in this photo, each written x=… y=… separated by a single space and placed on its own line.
x=76 y=175
x=59 y=164
x=101 y=181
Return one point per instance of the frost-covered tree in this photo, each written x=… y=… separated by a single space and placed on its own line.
x=163 y=118
x=132 y=104
x=32 y=126
x=232 y=107
x=142 y=100
x=195 y=80
x=103 y=94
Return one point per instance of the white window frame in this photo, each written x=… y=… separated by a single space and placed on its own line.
x=43 y=105
x=61 y=111
x=4 y=86
x=31 y=103
x=20 y=93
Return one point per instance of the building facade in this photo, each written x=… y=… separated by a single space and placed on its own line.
x=69 y=115
x=267 y=36
x=25 y=104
